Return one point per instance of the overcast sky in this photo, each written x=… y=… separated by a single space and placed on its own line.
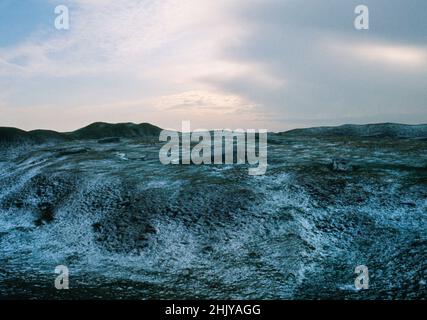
x=219 y=63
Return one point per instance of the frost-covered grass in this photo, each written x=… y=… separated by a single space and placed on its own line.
x=129 y=227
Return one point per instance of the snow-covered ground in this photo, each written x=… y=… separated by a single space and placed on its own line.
x=128 y=227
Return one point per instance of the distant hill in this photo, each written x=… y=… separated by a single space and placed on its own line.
x=48 y=136
x=391 y=130
x=98 y=130
x=102 y=130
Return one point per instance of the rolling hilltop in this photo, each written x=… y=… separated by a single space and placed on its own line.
x=97 y=130
x=391 y=130
x=102 y=130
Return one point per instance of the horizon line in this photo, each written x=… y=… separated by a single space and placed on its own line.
x=170 y=129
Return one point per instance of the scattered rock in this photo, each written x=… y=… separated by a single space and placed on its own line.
x=46 y=214
x=73 y=151
x=142 y=158
x=409 y=204
x=341 y=165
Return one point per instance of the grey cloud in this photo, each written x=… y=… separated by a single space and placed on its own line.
x=290 y=40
